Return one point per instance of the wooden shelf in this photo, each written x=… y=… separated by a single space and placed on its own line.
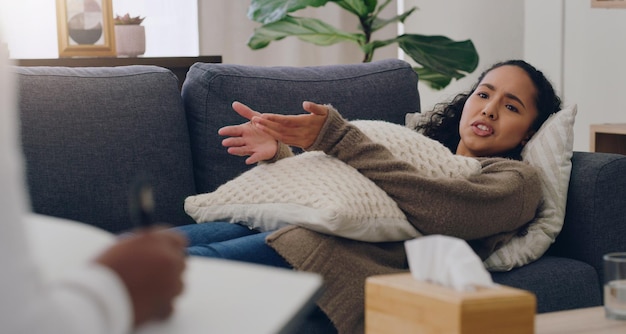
x=608 y=138
x=178 y=65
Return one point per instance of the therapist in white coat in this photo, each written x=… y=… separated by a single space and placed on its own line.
x=133 y=282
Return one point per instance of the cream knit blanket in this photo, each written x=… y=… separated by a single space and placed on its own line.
x=322 y=193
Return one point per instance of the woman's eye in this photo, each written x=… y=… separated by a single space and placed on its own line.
x=512 y=108
x=482 y=95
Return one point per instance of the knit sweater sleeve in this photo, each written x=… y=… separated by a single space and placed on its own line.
x=282 y=151
x=500 y=200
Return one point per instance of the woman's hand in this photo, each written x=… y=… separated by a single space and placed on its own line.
x=150 y=263
x=294 y=130
x=247 y=139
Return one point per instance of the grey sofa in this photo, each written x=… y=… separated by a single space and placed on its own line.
x=87 y=132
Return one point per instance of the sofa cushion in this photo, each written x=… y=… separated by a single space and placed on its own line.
x=558 y=283
x=87 y=132
x=383 y=90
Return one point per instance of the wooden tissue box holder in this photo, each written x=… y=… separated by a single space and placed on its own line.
x=398 y=303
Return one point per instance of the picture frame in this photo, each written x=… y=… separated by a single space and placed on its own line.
x=85 y=28
x=608 y=3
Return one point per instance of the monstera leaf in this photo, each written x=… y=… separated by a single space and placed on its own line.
x=440 y=58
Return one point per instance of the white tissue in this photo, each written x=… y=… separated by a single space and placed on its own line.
x=446 y=261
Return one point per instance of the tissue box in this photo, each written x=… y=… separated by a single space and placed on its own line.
x=399 y=303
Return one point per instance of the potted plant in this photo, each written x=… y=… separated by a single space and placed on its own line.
x=130 y=35
x=441 y=58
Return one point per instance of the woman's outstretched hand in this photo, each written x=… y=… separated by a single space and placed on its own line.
x=247 y=139
x=294 y=130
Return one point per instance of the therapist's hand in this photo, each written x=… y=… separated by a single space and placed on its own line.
x=150 y=263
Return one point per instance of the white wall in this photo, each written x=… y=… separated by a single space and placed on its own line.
x=543 y=38
x=494 y=26
x=594 y=66
x=30 y=28
x=585 y=48
x=171 y=26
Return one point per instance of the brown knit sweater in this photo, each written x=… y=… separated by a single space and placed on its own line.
x=487 y=210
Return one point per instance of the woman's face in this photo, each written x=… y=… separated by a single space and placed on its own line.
x=497 y=115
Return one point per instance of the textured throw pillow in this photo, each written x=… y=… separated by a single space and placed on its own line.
x=324 y=194
x=550 y=149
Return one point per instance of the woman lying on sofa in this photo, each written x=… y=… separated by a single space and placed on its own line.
x=508 y=104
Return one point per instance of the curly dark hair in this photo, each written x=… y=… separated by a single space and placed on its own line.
x=443 y=122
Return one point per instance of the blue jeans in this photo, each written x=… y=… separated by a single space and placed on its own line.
x=230 y=241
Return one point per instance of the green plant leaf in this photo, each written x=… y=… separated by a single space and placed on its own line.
x=268 y=11
x=361 y=8
x=371 y=5
x=441 y=54
x=307 y=29
x=441 y=58
x=369 y=48
x=433 y=79
x=380 y=23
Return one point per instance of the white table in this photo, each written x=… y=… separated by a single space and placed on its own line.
x=590 y=320
x=220 y=296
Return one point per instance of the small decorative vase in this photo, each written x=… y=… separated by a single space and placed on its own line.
x=130 y=40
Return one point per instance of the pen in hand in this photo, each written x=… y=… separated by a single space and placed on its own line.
x=141 y=202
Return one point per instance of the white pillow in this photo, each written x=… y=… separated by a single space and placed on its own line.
x=324 y=194
x=550 y=149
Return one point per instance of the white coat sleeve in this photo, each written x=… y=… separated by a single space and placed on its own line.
x=90 y=299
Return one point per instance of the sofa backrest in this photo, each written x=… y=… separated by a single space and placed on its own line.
x=88 y=132
x=383 y=90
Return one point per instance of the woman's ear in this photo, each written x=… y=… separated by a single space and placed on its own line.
x=529 y=135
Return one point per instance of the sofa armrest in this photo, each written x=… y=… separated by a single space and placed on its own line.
x=595 y=218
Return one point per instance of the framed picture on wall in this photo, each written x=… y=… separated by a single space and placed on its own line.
x=85 y=28
x=608 y=3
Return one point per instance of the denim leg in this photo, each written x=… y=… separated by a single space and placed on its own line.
x=231 y=242
x=206 y=233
